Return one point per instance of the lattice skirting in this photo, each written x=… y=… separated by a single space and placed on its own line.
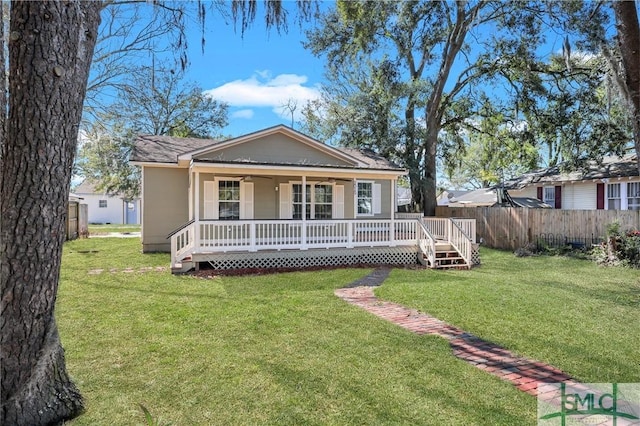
x=311 y=258
x=475 y=254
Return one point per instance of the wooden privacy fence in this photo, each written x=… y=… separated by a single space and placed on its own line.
x=511 y=228
x=77 y=220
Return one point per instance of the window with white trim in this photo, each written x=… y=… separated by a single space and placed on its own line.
x=229 y=200
x=368 y=198
x=365 y=198
x=297 y=201
x=323 y=202
x=613 y=197
x=633 y=195
x=319 y=201
x=102 y=204
x=549 y=196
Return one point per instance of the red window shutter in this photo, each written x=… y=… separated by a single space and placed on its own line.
x=539 y=193
x=558 y=197
x=600 y=196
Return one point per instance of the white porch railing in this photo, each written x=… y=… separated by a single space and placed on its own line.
x=254 y=235
x=183 y=243
x=427 y=243
x=215 y=236
x=460 y=241
x=440 y=227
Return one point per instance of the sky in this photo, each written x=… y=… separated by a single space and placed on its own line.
x=256 y=74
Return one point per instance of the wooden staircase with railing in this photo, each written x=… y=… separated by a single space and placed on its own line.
x=446 y=257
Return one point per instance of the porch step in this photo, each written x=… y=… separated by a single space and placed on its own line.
x=446 y=258
x=443 y=246
x=183 y=266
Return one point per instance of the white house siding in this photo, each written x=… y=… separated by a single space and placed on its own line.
x=529 y=192
x=114 y=213
x=575 y=196
x=579 y=196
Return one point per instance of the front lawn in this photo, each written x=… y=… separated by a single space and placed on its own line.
x=282 y=349
x=573 y=314
x=274 y=349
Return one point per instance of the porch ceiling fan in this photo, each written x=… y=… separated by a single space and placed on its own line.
x=249 y=178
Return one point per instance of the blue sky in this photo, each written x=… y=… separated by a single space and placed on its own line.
x=255 y=74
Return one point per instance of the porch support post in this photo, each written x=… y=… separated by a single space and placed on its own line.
x=196 y=216
x=392 y=225
x=304 y=213
x=190 y=194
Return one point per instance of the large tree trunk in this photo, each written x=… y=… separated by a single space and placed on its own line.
x=629 y=42
x=50 y=50
x=430 y=180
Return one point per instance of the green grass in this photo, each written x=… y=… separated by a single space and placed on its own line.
x=573 y=314
x=271 y=349
x=106 y=229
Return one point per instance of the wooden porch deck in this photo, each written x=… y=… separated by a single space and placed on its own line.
x=433 y=242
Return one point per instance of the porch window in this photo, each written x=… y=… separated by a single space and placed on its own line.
x=297 y=201
x=323 y=198
x=550 y=196
x=229 y=200
x=368 y=198
x=365 y=198
x=102 y=204
x=319 y=201
x=633 y=195
x=613 y=197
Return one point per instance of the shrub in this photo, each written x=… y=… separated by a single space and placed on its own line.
x=620 y=248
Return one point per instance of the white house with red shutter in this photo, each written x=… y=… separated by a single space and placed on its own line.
x=613 y=184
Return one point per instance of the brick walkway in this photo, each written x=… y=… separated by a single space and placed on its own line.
x=533 y=377
x=523 y=373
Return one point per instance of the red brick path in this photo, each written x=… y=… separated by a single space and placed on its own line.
x=524 y=373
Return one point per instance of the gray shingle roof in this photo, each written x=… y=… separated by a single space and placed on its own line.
x=611 y=167
x=370 y=158
x=85 y=187
x=488 y=197
x=166 y=149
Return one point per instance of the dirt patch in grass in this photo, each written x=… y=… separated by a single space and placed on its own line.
x=212 y=273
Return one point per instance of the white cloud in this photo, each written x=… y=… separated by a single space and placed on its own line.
x=263 y=90
x=580 y=56
x=243 y=113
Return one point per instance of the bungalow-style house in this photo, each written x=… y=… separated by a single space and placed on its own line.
x=612 y=185
x=277 y=198
x=105 y=208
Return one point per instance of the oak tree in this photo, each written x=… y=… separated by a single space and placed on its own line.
x=50 y=50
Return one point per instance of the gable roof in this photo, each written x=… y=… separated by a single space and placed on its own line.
x=611 y=167
x=279 y=129
x=85 y=187
x=167 y=149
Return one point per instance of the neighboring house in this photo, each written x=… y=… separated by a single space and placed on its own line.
x=273 y=198
x=403 y=196
x=103 y=208
x=612 y=185
x=447 y=196
x=492 y=197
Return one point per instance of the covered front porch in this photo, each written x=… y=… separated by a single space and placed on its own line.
x=275 y=244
